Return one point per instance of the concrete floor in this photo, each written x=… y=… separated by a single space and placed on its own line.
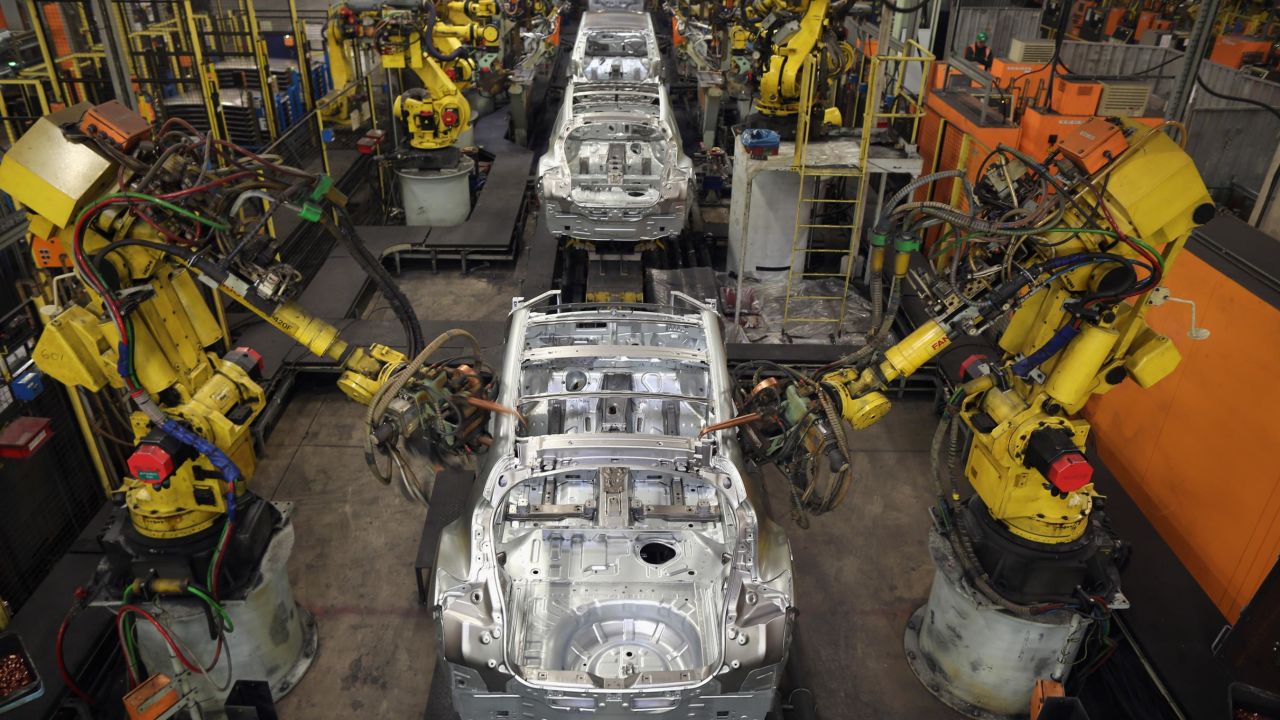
x=860 y=570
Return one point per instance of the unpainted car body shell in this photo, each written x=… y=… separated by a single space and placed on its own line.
x=612 y=559
x=614 y=169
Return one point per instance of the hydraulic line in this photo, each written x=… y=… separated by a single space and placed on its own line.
x=910 y=187
x=382 y=399
x=428 y=42
x=948 y=213
x=399 y=302
x=880 y=324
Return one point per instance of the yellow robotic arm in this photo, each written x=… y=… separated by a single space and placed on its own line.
x=122 y=235
x=437 y=114
x=1051 y=264
x=343 y=30
x=1074 y=327
x=780 y=86
x=780 y=83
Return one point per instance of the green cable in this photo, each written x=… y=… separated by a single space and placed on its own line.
x=1159 y=258
x=133 y=369
x=1112 y=233
x=129 y=337
x=168 y=206
x=131 y=651
x=1091 y=231
x=217 y=552
x=152 y=199
x=227 y=625
x=942 y=244
x=130 y=642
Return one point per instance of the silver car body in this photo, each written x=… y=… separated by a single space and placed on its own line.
x=613 y=560
x=616 y=39
x=614 y=169
x=630 y=5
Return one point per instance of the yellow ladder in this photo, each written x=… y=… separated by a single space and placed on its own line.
x=809 y=202
x=798 y=307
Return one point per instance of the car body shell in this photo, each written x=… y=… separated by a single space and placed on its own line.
x=614 y=170
x=612 y=558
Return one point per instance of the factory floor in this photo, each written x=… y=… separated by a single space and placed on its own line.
x=860 y=570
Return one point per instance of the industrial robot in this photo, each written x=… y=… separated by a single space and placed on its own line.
x=1051 y=265
x=787 y=38
x=437 y=42
x=137 y=236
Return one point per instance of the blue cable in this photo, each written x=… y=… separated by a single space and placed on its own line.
x=1065 y=334
x=219 y=459
x=1068 y=332
x=225 y=465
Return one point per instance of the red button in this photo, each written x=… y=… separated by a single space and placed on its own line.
x=257 y=356
x=150 y=463
x=1070 y=472
x=970 y=362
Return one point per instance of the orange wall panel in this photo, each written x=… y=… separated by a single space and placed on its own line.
x=1197 y=451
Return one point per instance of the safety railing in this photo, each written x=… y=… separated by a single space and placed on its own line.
x=889 y=100
x=32 y=103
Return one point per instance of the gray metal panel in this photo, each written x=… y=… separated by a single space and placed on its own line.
x=1232 y=141
x=1088 y=58
x=1231 y=82
x=1001 y=24
x=1232 y=144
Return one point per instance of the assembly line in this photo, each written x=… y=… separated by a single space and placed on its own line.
x=753 y=360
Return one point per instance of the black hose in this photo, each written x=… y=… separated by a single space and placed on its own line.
x=100 y=257
x=944 y=474
x=1090 y=213
x=396 y=299
x=430 y=30
x=1234 y=98
x=1064 y=19
x=156 y=166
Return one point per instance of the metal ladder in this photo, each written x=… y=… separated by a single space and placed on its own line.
x=884 y=67
x=809 y=204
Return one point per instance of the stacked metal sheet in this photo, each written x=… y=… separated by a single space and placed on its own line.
x=242 y=73
x=241 y=108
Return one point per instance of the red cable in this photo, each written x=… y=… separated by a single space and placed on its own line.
x=132 y=679
x=124 y=648
x=179 y=121
x=163 y=632
x=62 y=664
x=77 y=249
x=207 y=186
x=1157 y=271
x=166 y=232
x=217 y=654
x=263 y=161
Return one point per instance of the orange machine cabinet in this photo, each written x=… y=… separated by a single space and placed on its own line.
x=1197 y=450
x=1041 y=130
x=1094 y=144
x=1075 y=98
x=1079 y=12
x=1235 y=50
x=941 y=138
x=942 y=130
x=1115 y=16
x=1020 y=79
